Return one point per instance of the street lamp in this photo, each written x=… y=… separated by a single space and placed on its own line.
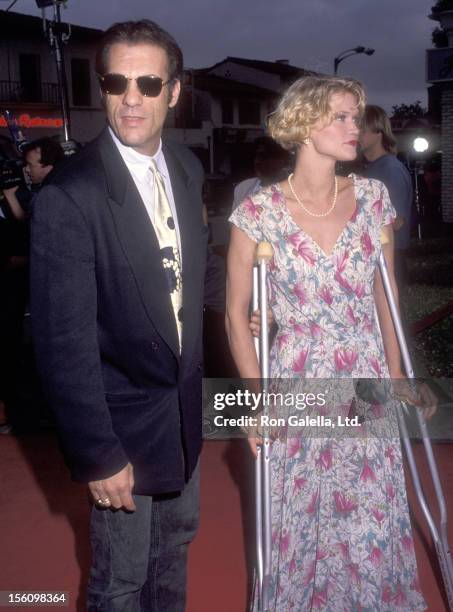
x=344 y=54
x=420 y=145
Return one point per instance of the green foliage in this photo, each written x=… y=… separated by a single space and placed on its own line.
x=408 y=111
x=442 y=5
x=439 y=38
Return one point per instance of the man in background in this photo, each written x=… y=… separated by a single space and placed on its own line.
x=39 y=158
x=379 y=149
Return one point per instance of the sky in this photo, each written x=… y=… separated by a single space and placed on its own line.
x=309 y=33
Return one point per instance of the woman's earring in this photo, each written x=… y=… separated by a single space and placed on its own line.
x=306 y=141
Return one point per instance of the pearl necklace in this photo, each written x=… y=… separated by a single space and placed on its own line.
x=312 y=214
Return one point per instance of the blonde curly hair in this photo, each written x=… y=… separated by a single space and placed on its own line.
x=305 y=103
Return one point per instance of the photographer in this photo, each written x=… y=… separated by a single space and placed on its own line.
x=39 y=158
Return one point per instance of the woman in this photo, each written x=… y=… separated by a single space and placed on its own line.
x=342 y=538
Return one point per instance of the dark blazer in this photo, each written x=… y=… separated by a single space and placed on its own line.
x=105 y=338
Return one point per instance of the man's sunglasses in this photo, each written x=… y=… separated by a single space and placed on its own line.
x=116 y=84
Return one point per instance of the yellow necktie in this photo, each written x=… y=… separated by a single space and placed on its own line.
x=165 y=228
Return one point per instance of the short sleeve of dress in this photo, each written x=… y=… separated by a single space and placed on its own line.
x=247 y=217
x=388 y=210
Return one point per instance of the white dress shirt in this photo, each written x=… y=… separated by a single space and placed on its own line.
x=140 y=168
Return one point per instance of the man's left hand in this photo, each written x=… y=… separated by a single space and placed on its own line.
x=115 y=491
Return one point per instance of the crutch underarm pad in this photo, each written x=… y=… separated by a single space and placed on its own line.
x=263 y=251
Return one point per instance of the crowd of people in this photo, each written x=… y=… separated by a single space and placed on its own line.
x=120 y=273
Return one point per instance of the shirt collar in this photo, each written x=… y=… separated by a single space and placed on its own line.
x=138 y=163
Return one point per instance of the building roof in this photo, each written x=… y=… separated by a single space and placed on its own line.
x=17 y=25
x=279 y=67
x=214 y=83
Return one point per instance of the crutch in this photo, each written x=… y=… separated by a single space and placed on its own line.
x=262 y=462
x=440 y=536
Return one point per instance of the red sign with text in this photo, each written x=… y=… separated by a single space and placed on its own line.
x=26 y=121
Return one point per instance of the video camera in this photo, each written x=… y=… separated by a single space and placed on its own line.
x=11 y=173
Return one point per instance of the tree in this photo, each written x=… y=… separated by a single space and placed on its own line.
x=408 y=111
x=442 y=5
x=439 y=36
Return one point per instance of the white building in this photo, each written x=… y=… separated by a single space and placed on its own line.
x=28 y=79
x=224 y=108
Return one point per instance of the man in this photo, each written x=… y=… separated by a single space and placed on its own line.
x=270 y=162
x=40 y=158
x=379 y=148
x=118 y=326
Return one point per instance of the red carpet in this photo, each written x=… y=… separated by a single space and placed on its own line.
x=44 y=525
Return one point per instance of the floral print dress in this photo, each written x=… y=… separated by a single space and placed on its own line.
x=342 y=538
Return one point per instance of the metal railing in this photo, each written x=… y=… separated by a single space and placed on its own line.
x=15 y=91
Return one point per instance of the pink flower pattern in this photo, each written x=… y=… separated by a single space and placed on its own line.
x=340 y=519
x=299 y=363
x=302 y=247
x=326 y=294
x=253 y=209
x=367 y=474
x=359 y=290
x=343 y=504
x=324 y=460
x=345 y=359
x=376 y=556
x=367 y=245
x=299 y=291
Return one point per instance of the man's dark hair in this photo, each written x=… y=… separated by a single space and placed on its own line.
x=376 y=120
x=139 y=32
x=51 y=151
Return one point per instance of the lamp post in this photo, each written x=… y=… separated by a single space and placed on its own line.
x=55 y=37
x=419 y=145
x=345 y=54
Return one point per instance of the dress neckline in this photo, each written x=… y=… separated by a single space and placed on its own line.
x=309 y=236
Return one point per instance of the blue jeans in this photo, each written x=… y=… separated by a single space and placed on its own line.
x=139 y=559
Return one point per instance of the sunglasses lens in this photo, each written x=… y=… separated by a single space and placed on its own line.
x=149 y=86
x=113 y=84
x=116 y=84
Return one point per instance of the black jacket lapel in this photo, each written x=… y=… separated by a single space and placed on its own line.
x=139 y=242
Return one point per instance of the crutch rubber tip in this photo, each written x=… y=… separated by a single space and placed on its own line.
x=264 y=251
